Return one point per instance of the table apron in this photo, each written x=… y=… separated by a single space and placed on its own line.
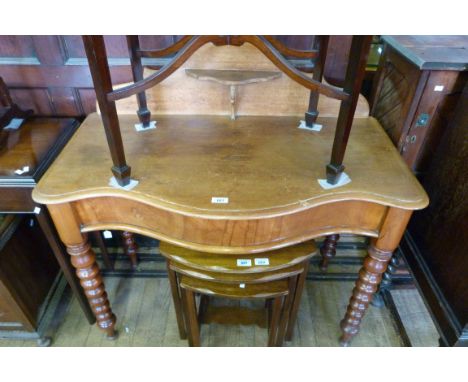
x=237 y=235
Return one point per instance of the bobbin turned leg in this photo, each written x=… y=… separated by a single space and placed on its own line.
x=379 y=254
x=84 y=261
x=328 y=250
x=130 y=248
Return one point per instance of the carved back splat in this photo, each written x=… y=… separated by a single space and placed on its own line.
x=184 y=48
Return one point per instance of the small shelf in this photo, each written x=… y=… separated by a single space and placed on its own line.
x=233 y=78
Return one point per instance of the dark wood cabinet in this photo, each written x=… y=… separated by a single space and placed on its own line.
x=421 y=99
x=416 y=88
x=28 y=277
x=436 y=244
x=25 y=155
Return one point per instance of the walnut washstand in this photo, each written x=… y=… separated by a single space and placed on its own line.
x=261 y=164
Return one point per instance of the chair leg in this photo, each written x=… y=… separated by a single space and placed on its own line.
x=175 y=290
x=296 y=302
x=204 y=301
x=130 y=248
x=104 y=253
x=286 y=311
x=190 y=312
x=274 y=321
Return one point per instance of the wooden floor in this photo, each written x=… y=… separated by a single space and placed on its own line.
x=145 y=317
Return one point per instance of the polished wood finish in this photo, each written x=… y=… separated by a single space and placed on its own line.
x=321 y=44
x=106 y=96
x=195 y=136
x=130 y=248
x=97 y=59
x=276 y=290
x=35 y=145
x=27 y=273
x=417 y=86
x=180 y=94
x=220 y=275
x=379 y=254
x=289 y=258
x=137 y=71
x=8 y=110
x=233 y=78
x=352 y=86
x=436 y=244
x=177 y=302
x=50 y=74
x=328 y=250
x=242 y=160
x=84 y=260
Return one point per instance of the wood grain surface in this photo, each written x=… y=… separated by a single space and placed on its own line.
x=239 y=166
x=181 y=94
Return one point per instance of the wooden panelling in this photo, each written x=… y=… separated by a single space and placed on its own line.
x=17 y=47
x=50 y=73
x=395 y=89
x=37 y=99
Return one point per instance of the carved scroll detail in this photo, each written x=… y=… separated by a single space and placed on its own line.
x=261 y=43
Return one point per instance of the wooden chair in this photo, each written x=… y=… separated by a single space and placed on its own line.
x=8 y=109
x=184 y=48
x=280 y=278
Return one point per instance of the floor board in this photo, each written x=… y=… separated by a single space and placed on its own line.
x=145 y=316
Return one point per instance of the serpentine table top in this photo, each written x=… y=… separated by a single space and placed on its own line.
x=266 y=166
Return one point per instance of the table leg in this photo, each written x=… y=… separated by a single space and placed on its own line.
x=176 y=298
x=379 y=254
x=275 y=320
x=297 y=301
x=102 y=246
x=130 y=247
x=328 y=250
x=84 y=260
x=64 y=262
x=286 y=311
x=190 y=314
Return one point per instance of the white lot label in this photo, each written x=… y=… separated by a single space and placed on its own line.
x=244 y=262
x=264 y=261
x=107 y=234
x=438 y=88
x=219 y=200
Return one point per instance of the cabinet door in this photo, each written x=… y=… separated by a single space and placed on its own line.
x=11 y=315
x=28 y=270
